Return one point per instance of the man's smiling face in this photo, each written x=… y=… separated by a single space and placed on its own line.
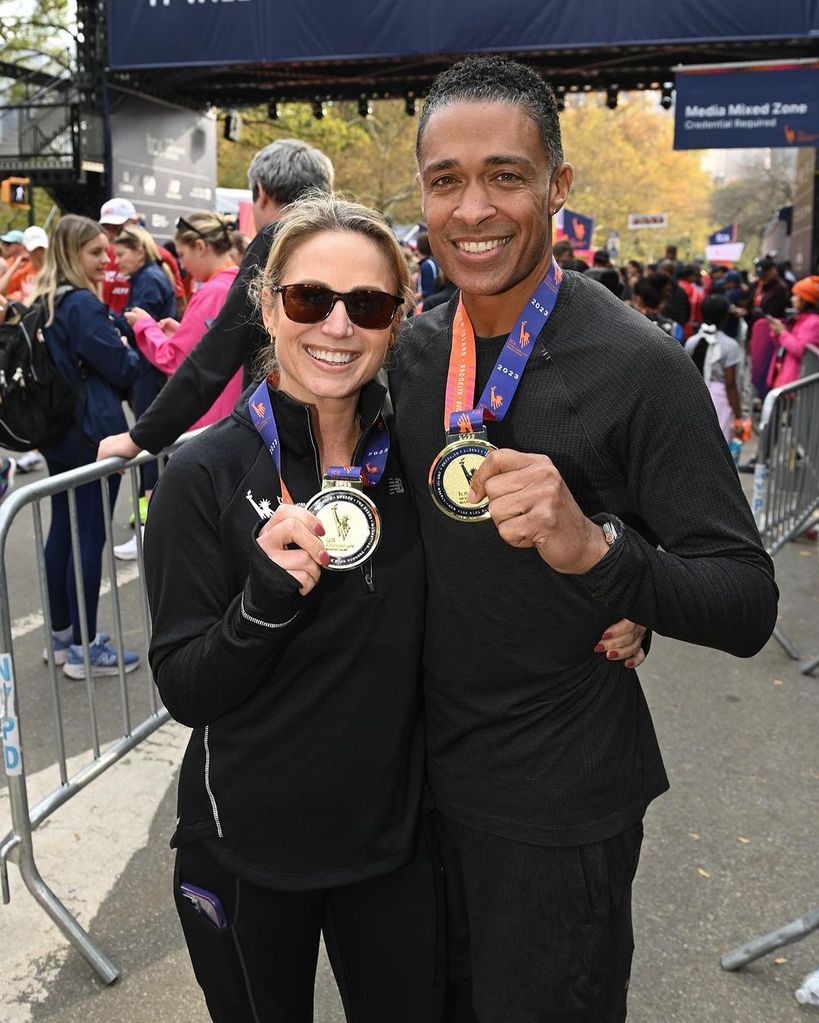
x=486 y=195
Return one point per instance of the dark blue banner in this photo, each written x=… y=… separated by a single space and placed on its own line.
x=174 y=33
x=724 y=235
x=578 y=229
x=768 y=106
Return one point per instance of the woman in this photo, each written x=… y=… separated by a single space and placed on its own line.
x=790 y=341
x=152 y=289
x=302 y=786
x=203 y=242
x=717 y=357
x=98 y=364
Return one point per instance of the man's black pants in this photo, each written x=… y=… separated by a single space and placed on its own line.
x=385 y=939
x=541 y=934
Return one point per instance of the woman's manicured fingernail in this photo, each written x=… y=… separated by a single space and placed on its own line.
x=606 y=635
x=324 y=558
x=599 y=648
x=319 y=531
x=630 y=663
x=612 y=655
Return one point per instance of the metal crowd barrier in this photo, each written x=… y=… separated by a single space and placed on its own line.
x=786 y=495
x=18 y=844
x=786 y=475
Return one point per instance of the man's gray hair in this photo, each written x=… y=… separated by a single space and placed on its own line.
x=288 y=167
x=493 y=79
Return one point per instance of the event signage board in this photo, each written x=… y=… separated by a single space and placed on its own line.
x=179 y=33
x=638 y=221
x=744 y=108
x=578 y=229
x=163 y=158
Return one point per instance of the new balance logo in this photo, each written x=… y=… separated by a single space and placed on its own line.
x=396 y=485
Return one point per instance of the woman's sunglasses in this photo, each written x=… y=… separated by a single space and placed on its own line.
x=311 y=303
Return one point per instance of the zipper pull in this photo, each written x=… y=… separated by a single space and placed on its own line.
x=367 y=571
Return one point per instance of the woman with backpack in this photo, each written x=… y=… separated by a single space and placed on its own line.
x=97 y=364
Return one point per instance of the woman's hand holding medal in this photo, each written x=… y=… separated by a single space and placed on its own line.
x=290 y=538
x=532 y=507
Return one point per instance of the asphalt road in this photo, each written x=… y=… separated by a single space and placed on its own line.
x=729 y=852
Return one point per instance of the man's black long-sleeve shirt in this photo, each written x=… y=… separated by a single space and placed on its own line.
x=532 y=735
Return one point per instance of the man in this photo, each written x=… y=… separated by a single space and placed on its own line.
x=277 y=175
x=647 y=298
x=676 y=306
x=114 y=215
x=771 y=295
x=11 y=245
x=563 y=253
x=14 y=255
x=542 y=756
x=429 y=276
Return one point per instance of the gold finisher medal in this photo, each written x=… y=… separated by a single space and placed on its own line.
x=352 y=525
x=450 y=477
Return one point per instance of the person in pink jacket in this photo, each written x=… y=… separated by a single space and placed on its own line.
x=792 y=340
x=203 y=241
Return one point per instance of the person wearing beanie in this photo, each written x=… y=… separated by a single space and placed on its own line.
x=794 y=337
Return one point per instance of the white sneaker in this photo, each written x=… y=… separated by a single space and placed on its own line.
x=128 y=551
x=30 y=461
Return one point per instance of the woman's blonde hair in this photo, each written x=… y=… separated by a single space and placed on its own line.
x=133 y=237
x=63 y=264
x=215 y=229
x=312 y=214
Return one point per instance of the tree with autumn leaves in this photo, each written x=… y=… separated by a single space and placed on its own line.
x=623 y=159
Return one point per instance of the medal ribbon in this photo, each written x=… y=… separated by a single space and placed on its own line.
x=504 y=379
x=375 y=458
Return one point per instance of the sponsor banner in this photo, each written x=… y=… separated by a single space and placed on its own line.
x=770 y=105
x=637 y=221
x=724 y=235
x=163 y=158
x=178 y=33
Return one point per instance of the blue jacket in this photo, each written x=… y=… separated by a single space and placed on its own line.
x=152 y=291
x=91 y=358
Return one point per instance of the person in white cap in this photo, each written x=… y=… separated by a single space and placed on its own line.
x=17 y=283
x=116 y=288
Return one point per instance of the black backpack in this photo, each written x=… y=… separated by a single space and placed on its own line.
x=37 y=405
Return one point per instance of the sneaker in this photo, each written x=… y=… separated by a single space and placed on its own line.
x=143 y=512
x=7 y=467
x=104 y=661
x=62 y=646
x=30 y=461
x=128 y=551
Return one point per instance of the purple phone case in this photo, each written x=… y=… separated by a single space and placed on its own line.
x=205 y=902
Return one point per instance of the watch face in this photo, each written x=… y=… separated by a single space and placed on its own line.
x=609 y=533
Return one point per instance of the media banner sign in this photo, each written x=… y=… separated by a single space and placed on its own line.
x=753 y=108
x=163 y=158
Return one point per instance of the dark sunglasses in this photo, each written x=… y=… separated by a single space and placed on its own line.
x=311 y=303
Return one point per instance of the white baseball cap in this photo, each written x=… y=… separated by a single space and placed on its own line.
x=117 y=210
x=34 y=238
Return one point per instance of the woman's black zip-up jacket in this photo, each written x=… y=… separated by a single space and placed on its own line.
x=305 y=765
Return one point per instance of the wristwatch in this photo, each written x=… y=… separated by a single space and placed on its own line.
x=610 y=533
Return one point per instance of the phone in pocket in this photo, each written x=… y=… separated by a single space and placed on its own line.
x=204 y=902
